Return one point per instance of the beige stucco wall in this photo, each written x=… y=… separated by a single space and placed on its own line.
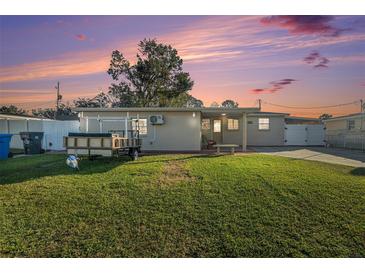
x=181 y=131
x=337 y=126
x=338 y=134
x=232 y=136
x=272 y=137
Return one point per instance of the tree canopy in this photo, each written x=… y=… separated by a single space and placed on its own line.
x=325 y=116
x=229 y=104
x=101 y=100
x=50 y=113
x=12 y=110
x=156 y=79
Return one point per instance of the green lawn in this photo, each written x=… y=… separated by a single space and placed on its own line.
x=181 y=206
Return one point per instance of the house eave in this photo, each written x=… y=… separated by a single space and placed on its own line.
x=169 y=109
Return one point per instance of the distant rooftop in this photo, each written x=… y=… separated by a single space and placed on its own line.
x=353 y=115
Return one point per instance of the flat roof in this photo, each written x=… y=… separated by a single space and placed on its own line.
x=266 y=113
x=169 y=109
x=303 y=118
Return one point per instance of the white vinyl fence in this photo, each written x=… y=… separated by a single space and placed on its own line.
x=352 y=140
x=304 y=135
x=53 y=131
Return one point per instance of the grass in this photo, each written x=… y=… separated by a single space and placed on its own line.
x=181 y=206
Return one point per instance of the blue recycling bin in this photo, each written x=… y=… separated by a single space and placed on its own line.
x=5 y=145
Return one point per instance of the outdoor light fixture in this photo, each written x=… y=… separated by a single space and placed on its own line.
x=223 y=114
x=193 y=114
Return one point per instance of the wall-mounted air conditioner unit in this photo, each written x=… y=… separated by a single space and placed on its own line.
x=157 y=119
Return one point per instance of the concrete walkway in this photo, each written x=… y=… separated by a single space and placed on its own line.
x=354 y=158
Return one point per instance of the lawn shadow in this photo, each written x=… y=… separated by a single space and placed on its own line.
x=359 y=171
x=34 y=167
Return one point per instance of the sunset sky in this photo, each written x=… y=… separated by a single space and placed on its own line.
x=288 y=60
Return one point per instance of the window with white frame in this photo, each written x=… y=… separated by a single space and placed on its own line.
x=264 y=123
x=233 y=124
x=141 y=125
x=350 y=124
x=205 y=124
x=217 y=126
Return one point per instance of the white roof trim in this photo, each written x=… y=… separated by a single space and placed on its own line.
x=19 y=117
x=267 y=114
x=168 y=109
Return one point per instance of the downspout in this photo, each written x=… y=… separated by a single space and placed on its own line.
x=87 y=124
x=244 y=129
x=126 y=125
x=100 y=124
x=81 y=115
x=154 y=135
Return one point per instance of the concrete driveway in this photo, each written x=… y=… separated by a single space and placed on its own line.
x=339 y=156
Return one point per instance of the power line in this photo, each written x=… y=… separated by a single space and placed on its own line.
x=317 y=107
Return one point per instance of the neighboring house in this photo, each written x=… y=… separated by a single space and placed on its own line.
x=189 y=129
x=346 y=131
x=53 y=130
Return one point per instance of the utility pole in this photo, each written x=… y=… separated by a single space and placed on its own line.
x=259 y=104
x=362 y=111
x=59 y=97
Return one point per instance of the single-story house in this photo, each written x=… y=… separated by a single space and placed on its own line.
x=346 y=131
x=188 y=129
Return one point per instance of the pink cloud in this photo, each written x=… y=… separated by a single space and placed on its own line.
x=80 y=37
x=260 y=91
x=212 y=40
x=76 y=63
x=317 y=60
x=304 y=24
x=275 y=86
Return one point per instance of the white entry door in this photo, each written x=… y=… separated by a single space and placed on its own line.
x=304 y=135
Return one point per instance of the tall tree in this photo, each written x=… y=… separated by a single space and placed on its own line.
x=156 y=79
x=12 y=110
x=229 y=104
